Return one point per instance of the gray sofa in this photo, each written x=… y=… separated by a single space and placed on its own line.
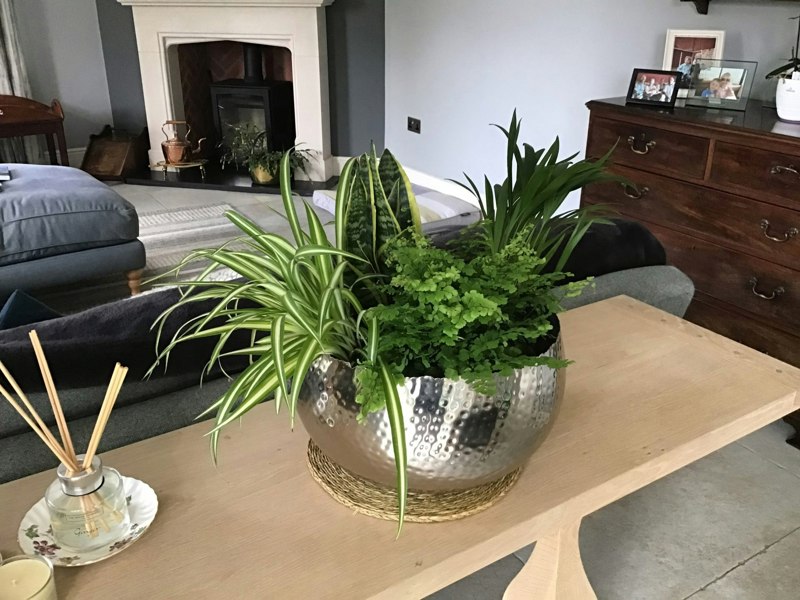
x=173 y=400
x=59 y=225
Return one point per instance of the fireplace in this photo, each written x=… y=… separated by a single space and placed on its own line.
x=291 y=36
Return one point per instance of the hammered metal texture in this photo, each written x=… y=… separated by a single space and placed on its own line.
x=456 y=438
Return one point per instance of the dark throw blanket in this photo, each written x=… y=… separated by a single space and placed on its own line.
x=81 y=349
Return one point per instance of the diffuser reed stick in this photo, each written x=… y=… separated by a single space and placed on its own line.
x=112 y=392
x=54 y=447
x=52 y=394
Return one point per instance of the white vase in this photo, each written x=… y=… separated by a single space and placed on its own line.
x=787 y=98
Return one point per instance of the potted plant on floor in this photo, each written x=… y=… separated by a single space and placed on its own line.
x=787 y=92
x=247 y=146
x=412 y=366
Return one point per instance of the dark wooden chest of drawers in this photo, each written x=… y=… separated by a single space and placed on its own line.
x=721 y=191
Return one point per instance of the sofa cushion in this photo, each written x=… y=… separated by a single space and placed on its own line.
x=48 y=210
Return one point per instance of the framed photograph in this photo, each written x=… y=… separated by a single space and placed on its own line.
x=653 y=87
x=686 y=47
x=721 y=84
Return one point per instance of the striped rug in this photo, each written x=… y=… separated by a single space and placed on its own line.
x=169 y=235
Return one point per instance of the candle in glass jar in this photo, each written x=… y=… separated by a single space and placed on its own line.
x=27 y=578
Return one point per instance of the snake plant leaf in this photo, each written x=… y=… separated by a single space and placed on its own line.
x=386 y=224
x=405 y=207
x=360 y=217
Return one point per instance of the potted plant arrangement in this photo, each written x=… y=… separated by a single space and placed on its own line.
x=787 y=93
x=247 y=146
x=414 y=367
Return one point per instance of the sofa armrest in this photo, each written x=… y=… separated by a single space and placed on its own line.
x=663 y=286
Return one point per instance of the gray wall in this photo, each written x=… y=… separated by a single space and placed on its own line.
x=356 y=75
x=459 y=66
x=122 y=65
x=61 y=43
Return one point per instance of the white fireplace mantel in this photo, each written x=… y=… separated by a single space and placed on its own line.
x=299 y=25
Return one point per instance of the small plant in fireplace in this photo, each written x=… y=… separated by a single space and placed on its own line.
x=246 y=145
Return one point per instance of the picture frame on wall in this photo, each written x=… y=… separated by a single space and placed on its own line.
x=653 y=87
x=722 y=84
x=684 y=49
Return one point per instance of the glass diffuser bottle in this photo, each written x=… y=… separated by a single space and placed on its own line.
x=88 y=509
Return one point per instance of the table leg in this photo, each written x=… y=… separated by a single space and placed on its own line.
x=135 y=281
x=51 y=148
x=554 y=571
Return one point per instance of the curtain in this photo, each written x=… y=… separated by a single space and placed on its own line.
x=14 y=81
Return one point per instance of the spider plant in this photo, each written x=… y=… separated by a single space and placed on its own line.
x=294 y=303
x=536 y=185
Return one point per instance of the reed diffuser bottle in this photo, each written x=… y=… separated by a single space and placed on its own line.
x=88 y=509
x=87 y=504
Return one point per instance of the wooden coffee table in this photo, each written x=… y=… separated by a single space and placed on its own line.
x=648 y=394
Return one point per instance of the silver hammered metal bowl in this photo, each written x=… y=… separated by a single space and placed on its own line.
x=456 y=437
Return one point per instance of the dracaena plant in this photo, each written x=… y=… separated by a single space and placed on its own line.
x=536 y=185
x=296 y=306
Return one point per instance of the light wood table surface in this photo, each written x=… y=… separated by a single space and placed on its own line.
x=648 y=393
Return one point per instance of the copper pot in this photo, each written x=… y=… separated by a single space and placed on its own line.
x=178 y=150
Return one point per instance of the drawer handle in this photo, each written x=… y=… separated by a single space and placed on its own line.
x=753 y=283
x=778 y=169
x=631 y=191
x=647 y=145
x=790 y=233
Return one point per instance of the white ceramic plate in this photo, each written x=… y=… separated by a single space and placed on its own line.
x=36 y=536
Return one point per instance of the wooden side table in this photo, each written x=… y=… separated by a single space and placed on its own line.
x=23 y=116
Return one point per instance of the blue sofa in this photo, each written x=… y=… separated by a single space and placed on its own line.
x=59 y=225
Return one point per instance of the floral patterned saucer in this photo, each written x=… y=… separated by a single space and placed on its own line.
x=36 y=536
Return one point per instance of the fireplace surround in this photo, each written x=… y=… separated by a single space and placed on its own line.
x=298 y=25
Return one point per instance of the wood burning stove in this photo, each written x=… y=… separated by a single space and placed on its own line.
x=268 y=105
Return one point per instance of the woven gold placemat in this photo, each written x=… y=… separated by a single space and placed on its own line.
x=375 y=500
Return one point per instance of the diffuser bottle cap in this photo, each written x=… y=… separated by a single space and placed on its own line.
x=83 y=482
